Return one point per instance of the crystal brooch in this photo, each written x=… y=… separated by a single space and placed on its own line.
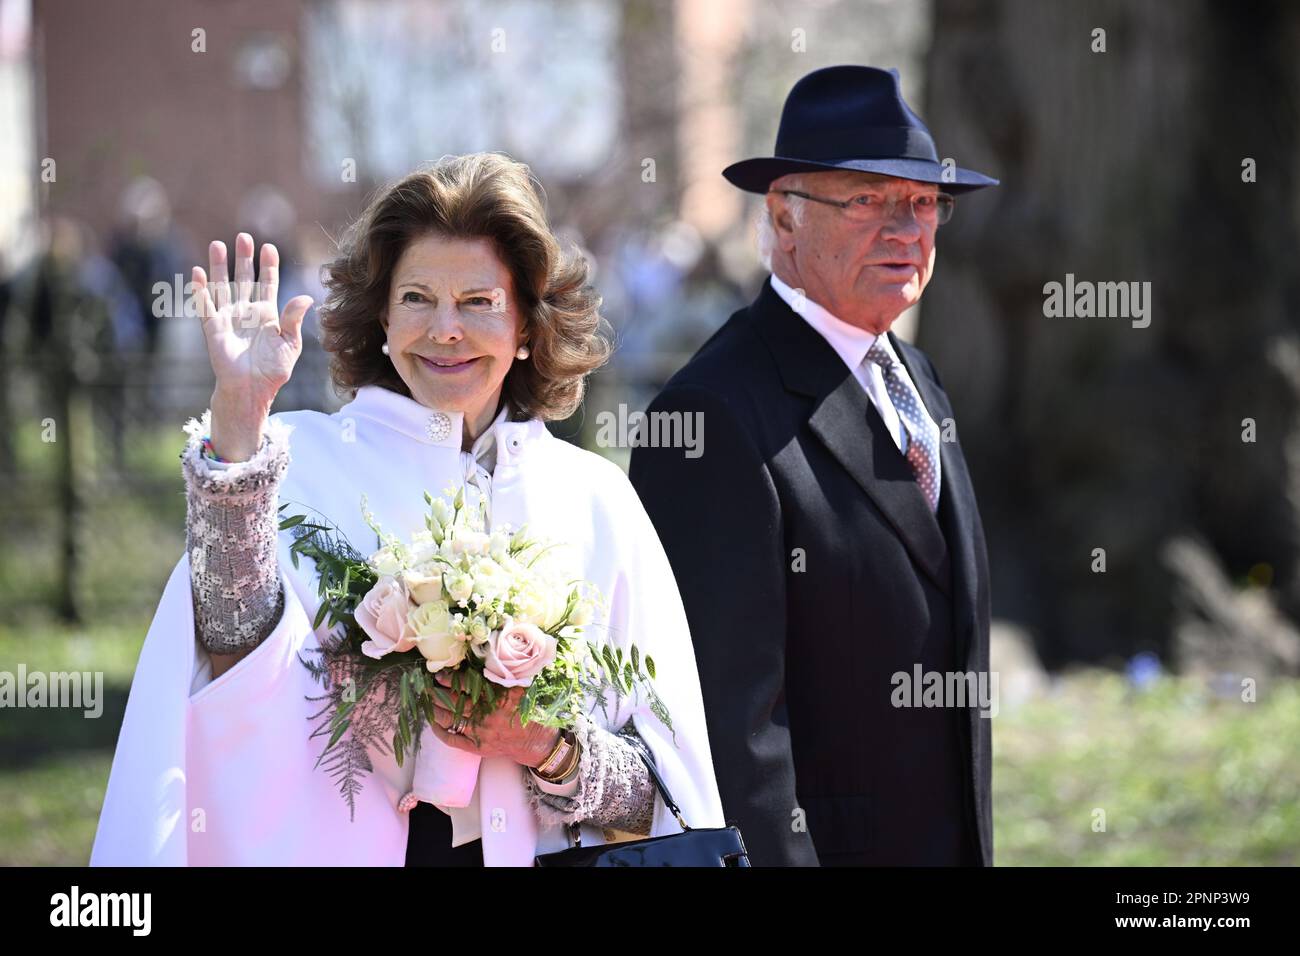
x=438 y=426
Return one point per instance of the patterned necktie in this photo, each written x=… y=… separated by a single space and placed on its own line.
x=922 y=432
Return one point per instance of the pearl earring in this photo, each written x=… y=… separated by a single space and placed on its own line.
x=384 y=348
x=522 y=352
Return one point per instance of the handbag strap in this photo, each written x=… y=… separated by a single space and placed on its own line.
x=663 y=787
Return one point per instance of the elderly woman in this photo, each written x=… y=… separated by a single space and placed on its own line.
x=459 y=326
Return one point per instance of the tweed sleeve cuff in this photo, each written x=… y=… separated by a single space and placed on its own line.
x=614 y=788
x=231 y=538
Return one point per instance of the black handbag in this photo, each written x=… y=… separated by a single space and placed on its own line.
x=718 y=846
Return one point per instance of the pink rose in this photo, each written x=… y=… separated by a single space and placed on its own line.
x=382 y=615
x=517 y=653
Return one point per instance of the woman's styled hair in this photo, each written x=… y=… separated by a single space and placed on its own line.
x=478 y=196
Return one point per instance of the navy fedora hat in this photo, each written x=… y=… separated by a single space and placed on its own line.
x=855 y=118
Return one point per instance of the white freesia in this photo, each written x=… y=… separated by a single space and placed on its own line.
x=441 y=513
x=460 y=585
x=470 y=542
x=386 y=561
x=490 y=579
x=458 y=627
x=582 y=614
x=423 y=548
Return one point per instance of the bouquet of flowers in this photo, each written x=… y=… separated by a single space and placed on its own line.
x=495 y=609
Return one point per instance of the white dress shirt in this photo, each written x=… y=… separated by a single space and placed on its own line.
x=852 y=344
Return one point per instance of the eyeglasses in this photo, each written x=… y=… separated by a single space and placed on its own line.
x=929 y=209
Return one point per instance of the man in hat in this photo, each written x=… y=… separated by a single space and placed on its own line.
x=826 y=541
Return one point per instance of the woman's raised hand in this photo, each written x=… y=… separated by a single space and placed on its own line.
x=252 y=346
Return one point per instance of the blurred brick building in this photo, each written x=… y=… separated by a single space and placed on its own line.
x=173 y=90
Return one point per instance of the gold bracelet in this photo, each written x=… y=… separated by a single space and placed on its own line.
x=566 y=751
x=570 y=768
x=561 y=742
x=570 y=764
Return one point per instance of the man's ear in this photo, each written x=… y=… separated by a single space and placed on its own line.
x=778 y=210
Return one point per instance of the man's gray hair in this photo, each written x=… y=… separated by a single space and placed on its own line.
x=765 y=232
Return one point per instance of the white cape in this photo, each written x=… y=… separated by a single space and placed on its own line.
x=224 y=775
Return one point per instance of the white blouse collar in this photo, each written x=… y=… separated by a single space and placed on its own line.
x=431 y=426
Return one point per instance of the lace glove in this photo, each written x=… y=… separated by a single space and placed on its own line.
x=612 y=787
x=231 y=529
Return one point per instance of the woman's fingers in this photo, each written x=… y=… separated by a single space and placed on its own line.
x=243 y=268
x=291 y=319
x=268 y=273
x=203 y=304
x=245 y=292
x=219 y=274
x=455 y=741
x=443 y=719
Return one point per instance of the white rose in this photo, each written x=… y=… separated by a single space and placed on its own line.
x=536 y=605
x=440 y=652
x=433 y=636
x=429 y=620
x=423 y=584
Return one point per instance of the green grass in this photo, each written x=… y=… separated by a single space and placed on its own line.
x=1184 y=777
x=48 y=812
x=54 y=763
x=130 y=535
